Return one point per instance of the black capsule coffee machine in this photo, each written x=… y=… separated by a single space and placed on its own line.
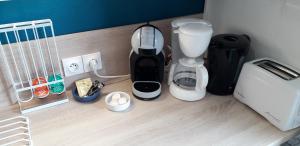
x=147 y=62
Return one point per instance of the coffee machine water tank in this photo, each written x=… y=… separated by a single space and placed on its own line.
x=226 y=56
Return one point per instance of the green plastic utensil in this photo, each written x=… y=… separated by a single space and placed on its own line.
x=56 y=88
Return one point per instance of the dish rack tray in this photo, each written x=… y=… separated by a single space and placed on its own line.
x=32 y=64
x=15 y=131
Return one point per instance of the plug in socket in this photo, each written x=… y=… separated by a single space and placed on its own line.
x=87 y=58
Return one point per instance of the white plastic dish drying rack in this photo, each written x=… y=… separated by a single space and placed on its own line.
x=15 y=131
x=32 y=63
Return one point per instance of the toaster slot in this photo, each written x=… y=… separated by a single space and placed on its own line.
x=278 y=69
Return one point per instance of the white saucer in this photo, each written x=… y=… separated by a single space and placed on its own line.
x=117 y=101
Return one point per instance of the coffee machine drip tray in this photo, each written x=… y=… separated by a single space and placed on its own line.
x=186 y=80
x=146 y=90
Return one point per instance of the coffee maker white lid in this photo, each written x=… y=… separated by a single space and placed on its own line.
x=196 y=29
x=182 y=21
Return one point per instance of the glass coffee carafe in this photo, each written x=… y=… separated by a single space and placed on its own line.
x=185 y=77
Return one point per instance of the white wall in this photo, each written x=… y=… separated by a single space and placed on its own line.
x=273 y=25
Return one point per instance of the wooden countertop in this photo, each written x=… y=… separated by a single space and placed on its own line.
x=214 y=120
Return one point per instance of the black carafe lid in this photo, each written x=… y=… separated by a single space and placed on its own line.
x=235 y=42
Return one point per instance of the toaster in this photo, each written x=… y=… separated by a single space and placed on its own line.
x=273 y=90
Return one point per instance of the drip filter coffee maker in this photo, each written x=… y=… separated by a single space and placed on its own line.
x=188 y=77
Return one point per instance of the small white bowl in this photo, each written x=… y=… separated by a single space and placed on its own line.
x=117 y=101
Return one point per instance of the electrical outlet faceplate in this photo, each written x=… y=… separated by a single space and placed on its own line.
x=87 y=58
x=73 y=66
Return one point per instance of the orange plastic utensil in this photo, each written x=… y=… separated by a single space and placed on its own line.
x=43 y=91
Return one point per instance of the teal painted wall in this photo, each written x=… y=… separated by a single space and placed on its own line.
x=70 y=16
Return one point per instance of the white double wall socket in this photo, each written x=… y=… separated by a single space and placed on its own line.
x=80 y=64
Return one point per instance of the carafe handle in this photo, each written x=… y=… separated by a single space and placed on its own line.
x=171 y=73
x=202 y=77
